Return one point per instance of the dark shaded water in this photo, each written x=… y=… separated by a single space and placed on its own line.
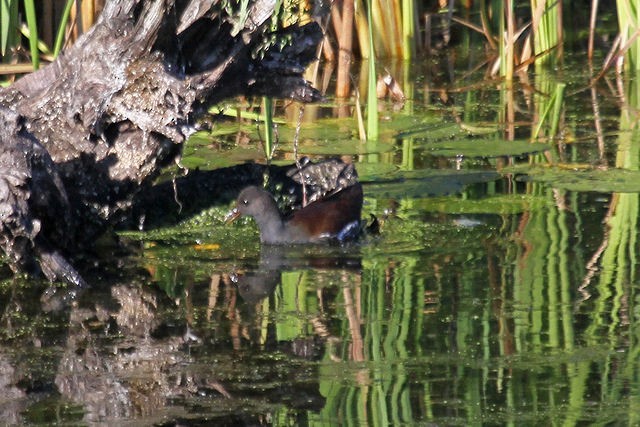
x=500 y=291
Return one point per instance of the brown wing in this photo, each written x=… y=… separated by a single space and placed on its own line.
x=331 y=214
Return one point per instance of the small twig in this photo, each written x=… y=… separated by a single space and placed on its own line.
x=175 y=195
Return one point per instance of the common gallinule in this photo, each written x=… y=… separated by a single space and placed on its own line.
x=335 y=217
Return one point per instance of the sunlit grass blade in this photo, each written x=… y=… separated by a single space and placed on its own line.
x=507 y=40
x=8 y=24
x=62 y=28
x=362 y=133
x=42 y=46
x=372 y=96
x=547 y=31
x=628 y=15
x=242 y=113
x=592 y=28
x=553 y=107
x=30 y=11
x=269 y=142
x=4 y=25
x=408 y=31
x=557 y=107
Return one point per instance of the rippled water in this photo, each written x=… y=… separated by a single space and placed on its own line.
x=501 y=289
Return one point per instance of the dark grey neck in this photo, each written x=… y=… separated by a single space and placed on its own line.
x=270 y=223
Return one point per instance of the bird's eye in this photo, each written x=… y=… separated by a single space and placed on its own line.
x=245 y=202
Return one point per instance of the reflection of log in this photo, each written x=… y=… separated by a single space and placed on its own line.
x=82 y=136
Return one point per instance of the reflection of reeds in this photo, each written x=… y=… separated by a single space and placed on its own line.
x=550 y=107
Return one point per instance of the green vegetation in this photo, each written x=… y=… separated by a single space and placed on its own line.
x=42 y=20
x=502 y=288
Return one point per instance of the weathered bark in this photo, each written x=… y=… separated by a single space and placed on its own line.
x=81 y=137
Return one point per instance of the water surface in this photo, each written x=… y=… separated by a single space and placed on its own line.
x=501 y=289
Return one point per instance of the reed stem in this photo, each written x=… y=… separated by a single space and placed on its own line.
x=267 y=106
x=62 y=28
x=346 y=45
x=372 y=96
x=30 y=11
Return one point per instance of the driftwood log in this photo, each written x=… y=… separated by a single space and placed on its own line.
x=80 y=138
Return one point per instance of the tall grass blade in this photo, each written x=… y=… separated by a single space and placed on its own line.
x=8 y=25
x=4 y=25
x=552 y=109
x=547 y=32
x=628 y=18
x=269 y=142
x=557 y=107
x=362 y=133
x=62 y=28
x=508 y=41
x=505 y=43
x=408 y=30
x=372 y=96
x=30 y=11
x=592 y=28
